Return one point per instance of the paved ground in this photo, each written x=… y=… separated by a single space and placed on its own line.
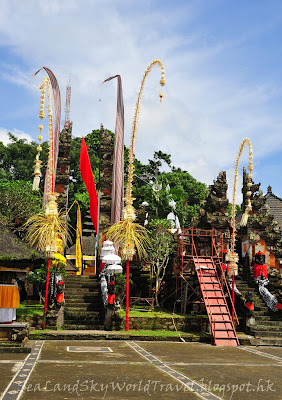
x=141 y=370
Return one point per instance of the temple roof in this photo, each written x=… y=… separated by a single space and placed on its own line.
x=12 y=248
x=275 y=204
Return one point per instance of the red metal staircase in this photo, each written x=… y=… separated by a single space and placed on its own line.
x=200 y=250
x=222 y=328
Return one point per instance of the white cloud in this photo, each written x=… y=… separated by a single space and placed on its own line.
x=204 y=116
x=4 y=135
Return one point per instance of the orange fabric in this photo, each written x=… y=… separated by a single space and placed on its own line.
x=111 y=298
x=9 y=296
x=59 y=297
x=250 y=306
x=279 y=306
x=258 y=269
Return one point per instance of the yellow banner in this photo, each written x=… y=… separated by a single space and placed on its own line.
x=78 y=246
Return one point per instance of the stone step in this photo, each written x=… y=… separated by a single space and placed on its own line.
x=264 y=318
x=260 y=308
x=81 y=321
x=82 y=290
x=261 y=312
x=79 y=277
x=259 y=321
x=88 y=298
x=81 y=284
x=84 y=299
x=84 y=306
x=90 y=308
x=80 y=311
x=265 y=333
x=267 y=341
x=77 y=327
x=266 y=327
x=97 y=321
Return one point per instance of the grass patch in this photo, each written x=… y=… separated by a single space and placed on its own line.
x=137 y=312
x=148 y=332
x=29 y=310
x=39 y=331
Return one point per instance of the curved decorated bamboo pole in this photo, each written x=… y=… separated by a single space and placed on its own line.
x=56 y=133
x=233 y=256
x=45 y=87
x=46 y=228
x=128 y=193
x=127 y=234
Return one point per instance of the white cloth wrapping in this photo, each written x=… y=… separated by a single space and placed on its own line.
x=7 y=314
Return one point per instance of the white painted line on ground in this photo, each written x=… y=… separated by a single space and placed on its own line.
x=88 y=349
x=15 y=388
x=261 y=353
x=194 y=387
x=11 y=361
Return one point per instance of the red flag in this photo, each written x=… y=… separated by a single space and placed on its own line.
x=87 y=176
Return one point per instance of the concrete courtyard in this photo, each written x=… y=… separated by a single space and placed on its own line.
x=106 y=369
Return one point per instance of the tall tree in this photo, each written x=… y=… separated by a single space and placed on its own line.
x=18 y=202
x=159 y=252
x=18 y=158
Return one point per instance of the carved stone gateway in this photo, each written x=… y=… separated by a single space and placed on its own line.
x=63 y=167
x=213 y=211
x=106 y=171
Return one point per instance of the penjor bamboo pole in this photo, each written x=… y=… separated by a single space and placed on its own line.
x=46 y=292
x=127 y=296
x=233 y=297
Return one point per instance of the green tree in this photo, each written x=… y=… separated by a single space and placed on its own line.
x=237 y=209
x=39 y=276
x=178 y=185
x=159 y=251
x=17 y=158
x=121 y=285
x=18 y=202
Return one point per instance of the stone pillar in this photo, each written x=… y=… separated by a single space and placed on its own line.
x=63 y=167
x=106 y=170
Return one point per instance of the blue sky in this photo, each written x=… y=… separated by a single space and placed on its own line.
x=223 y=72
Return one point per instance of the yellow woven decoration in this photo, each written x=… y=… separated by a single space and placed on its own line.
x=44 y=230
x=233 y=256
x=46 y=86
x=129 y=235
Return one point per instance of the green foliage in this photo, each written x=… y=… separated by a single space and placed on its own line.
x=185 y=190
x=121 y=285
x=39 y=276
x=159 y=251
x=29 y=310
x=17 y=162
x=18 y=202
x=17 y=158
x=237 y=209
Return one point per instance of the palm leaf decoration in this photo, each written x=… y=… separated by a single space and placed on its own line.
x=43 y=231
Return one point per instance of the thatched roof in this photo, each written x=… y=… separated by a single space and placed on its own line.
x=12 y=248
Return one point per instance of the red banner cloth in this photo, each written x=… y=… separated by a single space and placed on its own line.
x=87 y=176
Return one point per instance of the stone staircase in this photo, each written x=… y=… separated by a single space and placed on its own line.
x=267 y=329
x=84 y=309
